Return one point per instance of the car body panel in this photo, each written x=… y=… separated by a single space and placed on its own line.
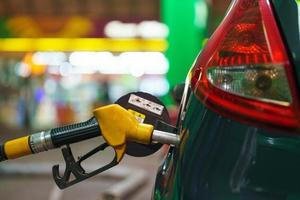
x=220 y=159
x=287 y=15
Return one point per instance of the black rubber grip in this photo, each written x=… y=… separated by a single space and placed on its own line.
x=75 y=132
x=2 y=153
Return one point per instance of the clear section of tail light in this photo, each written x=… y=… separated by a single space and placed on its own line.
x=244 y=72
x=263 y=82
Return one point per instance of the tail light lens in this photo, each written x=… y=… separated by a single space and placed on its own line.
x=244 y=72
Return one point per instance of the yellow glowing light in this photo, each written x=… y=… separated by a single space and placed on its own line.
x=81 y=44
x=34 y=68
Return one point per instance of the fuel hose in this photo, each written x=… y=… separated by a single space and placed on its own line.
x=50 y=139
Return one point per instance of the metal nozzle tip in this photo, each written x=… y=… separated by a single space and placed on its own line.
x=165 y=137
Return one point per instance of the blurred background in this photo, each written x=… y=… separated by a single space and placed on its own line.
x=60 y=59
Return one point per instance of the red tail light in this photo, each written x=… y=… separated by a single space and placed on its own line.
x=244 y=72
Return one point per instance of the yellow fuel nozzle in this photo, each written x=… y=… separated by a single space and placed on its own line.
x=113 y=122
x=118 y=126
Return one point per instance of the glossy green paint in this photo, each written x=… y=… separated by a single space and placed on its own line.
x=220 y=159
x=287 y=15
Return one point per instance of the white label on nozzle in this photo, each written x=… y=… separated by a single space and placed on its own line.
x=146 y=104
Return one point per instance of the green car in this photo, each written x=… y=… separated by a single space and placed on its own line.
x=239 y=120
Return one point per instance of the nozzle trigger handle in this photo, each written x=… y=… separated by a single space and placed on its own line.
x=74 y=167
